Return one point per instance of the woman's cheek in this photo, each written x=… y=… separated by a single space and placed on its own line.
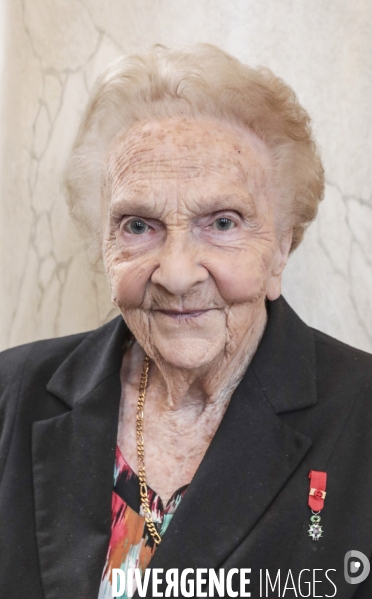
x=128 y=284
x=239 y=281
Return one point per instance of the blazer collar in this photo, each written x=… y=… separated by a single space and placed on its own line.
x=250 y=458
x=285 y=361
x=98 y=356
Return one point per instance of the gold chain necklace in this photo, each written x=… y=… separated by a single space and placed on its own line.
x=141 y=453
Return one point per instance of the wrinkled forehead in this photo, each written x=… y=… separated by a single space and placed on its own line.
x=185 y=149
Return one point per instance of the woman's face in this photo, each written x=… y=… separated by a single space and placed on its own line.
x=190 y=244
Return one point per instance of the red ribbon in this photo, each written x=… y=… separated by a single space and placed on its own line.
x=317 y=491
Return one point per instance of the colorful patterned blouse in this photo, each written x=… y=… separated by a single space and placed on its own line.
x=131 y=545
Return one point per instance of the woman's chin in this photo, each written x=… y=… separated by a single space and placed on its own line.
x=189 y=354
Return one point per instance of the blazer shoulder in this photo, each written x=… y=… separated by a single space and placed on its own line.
x=37 y=356
x=53 y=350
x=339 y=346
x=39 y=359
x=36 y=362
x=347 y=362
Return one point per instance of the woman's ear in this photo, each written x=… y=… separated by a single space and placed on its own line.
x=274 y=284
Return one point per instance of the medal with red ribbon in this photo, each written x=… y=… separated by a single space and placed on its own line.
x=317 y=493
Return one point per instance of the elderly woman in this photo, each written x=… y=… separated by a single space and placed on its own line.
x=207 y=427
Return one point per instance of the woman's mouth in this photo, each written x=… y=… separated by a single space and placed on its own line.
x=183 y=314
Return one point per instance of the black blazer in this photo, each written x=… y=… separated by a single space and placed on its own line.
x=304 y=404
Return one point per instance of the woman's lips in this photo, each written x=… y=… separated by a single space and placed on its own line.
x=184 y=314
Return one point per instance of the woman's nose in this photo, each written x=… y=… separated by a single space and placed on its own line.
x=179 y=269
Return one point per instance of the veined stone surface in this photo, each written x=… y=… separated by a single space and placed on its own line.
x=53 y=50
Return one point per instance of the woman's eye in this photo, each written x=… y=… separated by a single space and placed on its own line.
x=136 y=226
x=223 y=224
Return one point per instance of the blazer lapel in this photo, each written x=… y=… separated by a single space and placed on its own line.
x=73 y=465
x=252 y=454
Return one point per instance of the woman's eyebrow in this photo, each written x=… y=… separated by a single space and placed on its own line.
x=135 y=204
x=138 y=206
x=229 y=201
x=123 y=205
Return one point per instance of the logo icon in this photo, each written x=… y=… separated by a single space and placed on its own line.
x=355 y=562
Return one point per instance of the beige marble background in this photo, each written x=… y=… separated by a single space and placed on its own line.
x=52 y=50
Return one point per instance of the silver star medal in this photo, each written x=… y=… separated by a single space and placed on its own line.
x=315 y=530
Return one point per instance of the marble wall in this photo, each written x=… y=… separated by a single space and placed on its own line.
x=51 y=52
